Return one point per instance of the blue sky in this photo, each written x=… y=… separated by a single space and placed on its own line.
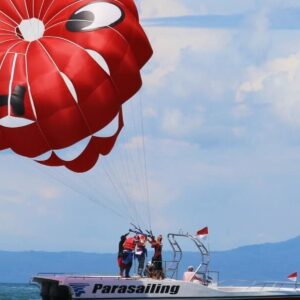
x=221 y=110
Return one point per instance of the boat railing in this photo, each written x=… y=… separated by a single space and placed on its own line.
x=171 y=268
x=208 y=278
x=277 y=284
x=213 y=277
x=260 y=284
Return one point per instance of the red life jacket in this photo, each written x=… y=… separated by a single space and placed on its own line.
x=129 y=243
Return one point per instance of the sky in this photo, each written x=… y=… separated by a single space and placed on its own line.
x=221 y=129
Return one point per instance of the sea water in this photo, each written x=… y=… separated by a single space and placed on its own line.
x=19 y=292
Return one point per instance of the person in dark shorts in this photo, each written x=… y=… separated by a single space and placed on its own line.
x=128 y=252
x=157 y=256
x=120 y=254
x=141 y=253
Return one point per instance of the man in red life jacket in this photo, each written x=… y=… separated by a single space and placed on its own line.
x=128 y=251
x=157 y=256
x=141 y=253
x=120 y=254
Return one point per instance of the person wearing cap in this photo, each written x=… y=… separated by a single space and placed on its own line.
x=191 y=275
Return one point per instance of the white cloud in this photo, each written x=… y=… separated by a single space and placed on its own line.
x=177 y=123
x=150 y=112
x=171 y=44
x=163 y=8
x=47 y=192
x=255 y=34
x=134 y=143
x=258 y=76
x=276 y=83
x=166 y=8
x=239 y=131
x=241 y=110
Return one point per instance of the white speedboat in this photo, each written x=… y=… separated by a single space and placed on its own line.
x=203 y=285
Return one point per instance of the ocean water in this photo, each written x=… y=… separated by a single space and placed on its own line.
x=19 y=292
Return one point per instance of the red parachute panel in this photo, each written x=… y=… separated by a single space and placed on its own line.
x=66 y=68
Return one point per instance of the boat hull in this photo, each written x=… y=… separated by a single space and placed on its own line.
x=71 y=287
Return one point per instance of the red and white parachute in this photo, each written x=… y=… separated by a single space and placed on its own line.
x=66 y=68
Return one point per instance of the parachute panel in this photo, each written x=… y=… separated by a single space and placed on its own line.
x=66 y=69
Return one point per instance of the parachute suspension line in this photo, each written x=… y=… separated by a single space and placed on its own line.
x=136 y=158
x=123 y=182
x=131 y=178
x=143 y=184
x=121 y=176
x=100 y=195
x=95 y=191
x=138 y=161
x=119 y=193
x=134 y=154
x=77 y=191
x=128 y=164
x=110 y=173
x=50 y=147
x=111 y=177
x=145 y=164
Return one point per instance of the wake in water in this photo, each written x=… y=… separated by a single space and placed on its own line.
x=19 y=292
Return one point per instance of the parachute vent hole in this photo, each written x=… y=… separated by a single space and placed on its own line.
x=31 y=29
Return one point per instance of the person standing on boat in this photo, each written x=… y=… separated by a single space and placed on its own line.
x=120 y=253
x=157 y=256
x=128 y=251
x=141 y=253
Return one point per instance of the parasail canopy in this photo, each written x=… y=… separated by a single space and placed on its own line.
x=66 y=68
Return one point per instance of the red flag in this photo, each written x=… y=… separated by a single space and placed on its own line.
x=293 y=276
x=202 y=232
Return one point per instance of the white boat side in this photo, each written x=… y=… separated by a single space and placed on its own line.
x=58 y=286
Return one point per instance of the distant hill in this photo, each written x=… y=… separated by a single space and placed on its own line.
x=271 y=261
x=19 y=267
